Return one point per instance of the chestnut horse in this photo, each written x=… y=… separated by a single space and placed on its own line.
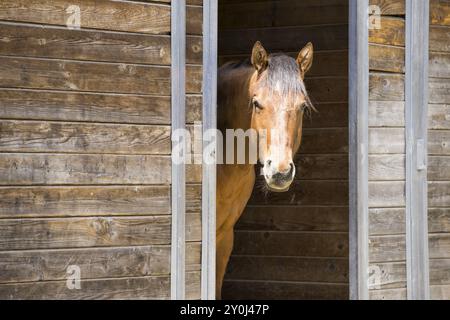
x=264 y=93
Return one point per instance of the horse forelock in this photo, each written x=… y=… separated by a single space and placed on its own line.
x=283 y=77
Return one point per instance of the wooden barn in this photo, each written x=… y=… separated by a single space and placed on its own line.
x=92 y=207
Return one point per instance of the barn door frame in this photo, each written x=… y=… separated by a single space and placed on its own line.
x=178 y=181
x=358 y=149
x=209 y=118
x=416 y=131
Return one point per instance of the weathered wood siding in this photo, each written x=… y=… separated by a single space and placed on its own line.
x=85 y=149
x=295 y=245
x=439 y=150
x=387 y=250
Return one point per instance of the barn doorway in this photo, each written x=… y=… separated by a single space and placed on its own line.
x=295 y=245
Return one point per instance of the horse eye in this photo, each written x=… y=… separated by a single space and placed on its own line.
x=257 y=105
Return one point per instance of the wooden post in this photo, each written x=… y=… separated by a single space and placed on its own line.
x=208 y=273
x=358 y=147
x=416 y=91
x=178 y=70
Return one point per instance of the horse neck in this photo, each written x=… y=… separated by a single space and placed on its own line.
x=233 y=110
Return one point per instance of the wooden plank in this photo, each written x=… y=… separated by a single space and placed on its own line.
x=390 y=7
x=388 y=294
x=83 y=201
x=439 y=116
x=440 y=292
x=439 y=12
x=387 y=275
x=439 y=90
x=327 y=167
x=386 y=87
x=386 y=141
x=438 y=219
x=305 y=193
x=91 y=77
x=282 y=13
x=439 y=142
x=386 y=167
x=386 y=113
x=88 y=107
x=439 y=244
x=264 y=290
x=327 y=89
x=144 y=288
x=47 y=233
x=329 y=115
x=439 y=38
x=439 y=271
x=387 y=248
x=95 y=14
x=94 y=263
x=438 y=168
x=386 y=194
x=274 y=218
x=301 y=269
x=37 y=136
x=157 y=287
x=439 y=194
x=62 y=169
x=392 y=32
x=387 y=221
x=324 y=141
x=286 y=39
x=281 y=243
x=61 y=43
x=438 y=63
x=386 y=58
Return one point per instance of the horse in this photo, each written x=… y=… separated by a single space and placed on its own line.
x=262 y=93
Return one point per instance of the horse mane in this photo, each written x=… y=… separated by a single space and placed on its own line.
x=283 y=73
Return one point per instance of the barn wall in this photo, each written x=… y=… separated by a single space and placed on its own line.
x=295 y=245
x=85 y=149
x=439 y=150
x=387 y=249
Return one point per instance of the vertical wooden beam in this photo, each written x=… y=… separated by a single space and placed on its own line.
x=178 y=85
x=416 y=91
x=210 y=27
x=358 y=143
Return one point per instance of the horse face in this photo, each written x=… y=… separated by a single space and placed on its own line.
x=279 y=100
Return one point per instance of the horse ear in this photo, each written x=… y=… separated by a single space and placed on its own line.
x=259 y=57
x=305 y=59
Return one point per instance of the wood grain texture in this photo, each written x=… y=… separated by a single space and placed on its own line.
x=38 y=136
x=47 y=169
x=439 y=39
x=386 y=141
x=386 y=113
x=61 y=43
x=439 y=12
x=289 y=269
x=70 y=201
x=47 y=233
x=386 y=58
x=390 y=7
x=95 y=263
x=91 y=77
x=385 y=167
x=157 y=287
x=387 y=275
x=386 y=87
x=386 y=194
x=439 y=116
x=90 y=107
x=281 y=13
x=392 y=32
x=274 y=243
x=387 y=248
x=273 y=290
x=273 y=218
x=388 y=294
x=119 y=15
